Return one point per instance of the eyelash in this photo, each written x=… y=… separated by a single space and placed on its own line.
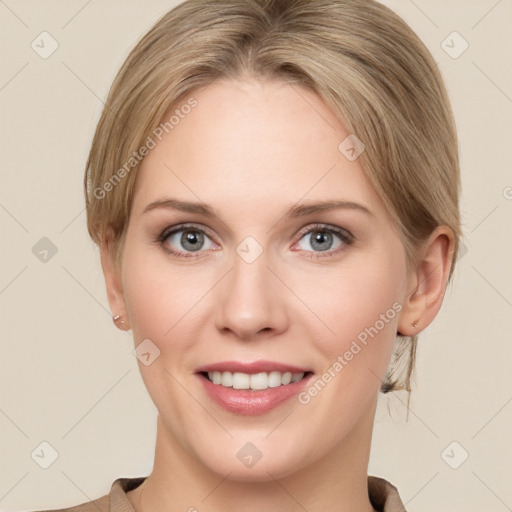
x=346 y=238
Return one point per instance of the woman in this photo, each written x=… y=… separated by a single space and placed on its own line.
x=273 y=185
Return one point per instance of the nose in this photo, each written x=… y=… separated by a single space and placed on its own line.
x=251 y=301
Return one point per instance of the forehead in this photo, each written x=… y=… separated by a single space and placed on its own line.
x=248 y=142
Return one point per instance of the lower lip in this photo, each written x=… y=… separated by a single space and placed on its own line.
x=247 y=402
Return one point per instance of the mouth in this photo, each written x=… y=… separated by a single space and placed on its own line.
x=252 y=388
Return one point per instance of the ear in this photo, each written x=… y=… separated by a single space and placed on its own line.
x=113 y=281
x=427 y=282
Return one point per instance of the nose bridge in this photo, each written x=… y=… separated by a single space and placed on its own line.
x=250 y=300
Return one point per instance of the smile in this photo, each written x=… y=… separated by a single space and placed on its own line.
x=252 y=388
x=255 y=381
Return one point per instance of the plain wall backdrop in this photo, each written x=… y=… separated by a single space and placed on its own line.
x=69 y=378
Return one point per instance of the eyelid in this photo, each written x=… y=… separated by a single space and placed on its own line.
x=182 y=227
x=344 y=233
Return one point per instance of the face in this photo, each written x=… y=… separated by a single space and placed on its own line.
x=257 y=253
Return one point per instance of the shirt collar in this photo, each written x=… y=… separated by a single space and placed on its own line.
x=384 y=496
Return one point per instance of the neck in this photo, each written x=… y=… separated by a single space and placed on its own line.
x=337 y=482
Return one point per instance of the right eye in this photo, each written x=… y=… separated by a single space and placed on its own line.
x=183 y=240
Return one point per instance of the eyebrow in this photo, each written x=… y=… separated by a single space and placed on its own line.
x=295 y=211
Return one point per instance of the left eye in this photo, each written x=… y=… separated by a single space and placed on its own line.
x=321 y=239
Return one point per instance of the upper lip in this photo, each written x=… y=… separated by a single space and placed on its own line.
x=251 y=367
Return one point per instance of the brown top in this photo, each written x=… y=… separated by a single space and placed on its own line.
x=383 y=496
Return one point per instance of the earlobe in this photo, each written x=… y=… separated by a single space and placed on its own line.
x=113 y=283
x=427 y=283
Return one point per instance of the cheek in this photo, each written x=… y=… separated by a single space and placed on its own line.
x=160 y=297
x=361 y=307
x=355 y=302
x=163 y=303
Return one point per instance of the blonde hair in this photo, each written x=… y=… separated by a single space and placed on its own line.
x=362 y=59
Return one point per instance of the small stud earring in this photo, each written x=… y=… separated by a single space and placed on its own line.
x=116 y=318
x=415 y=324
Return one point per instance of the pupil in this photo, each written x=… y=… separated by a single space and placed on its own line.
x=319 y=240
x=191 y=240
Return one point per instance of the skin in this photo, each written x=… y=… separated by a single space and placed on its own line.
x=251 y=149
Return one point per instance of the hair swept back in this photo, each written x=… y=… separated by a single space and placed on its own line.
x=363 y=60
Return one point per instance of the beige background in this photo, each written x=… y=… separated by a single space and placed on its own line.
x=68 y=376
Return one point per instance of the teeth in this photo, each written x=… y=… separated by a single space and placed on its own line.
x=226 y=378
x=241 y=381
x=274 y=379
x=256 y=381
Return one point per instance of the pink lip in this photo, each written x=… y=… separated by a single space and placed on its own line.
x=248 y=402
x=252 y=367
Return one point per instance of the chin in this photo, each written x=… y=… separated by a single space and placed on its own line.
x=261 y=461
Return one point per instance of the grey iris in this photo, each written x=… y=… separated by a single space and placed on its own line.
x=321 y=240
x=192 y=240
